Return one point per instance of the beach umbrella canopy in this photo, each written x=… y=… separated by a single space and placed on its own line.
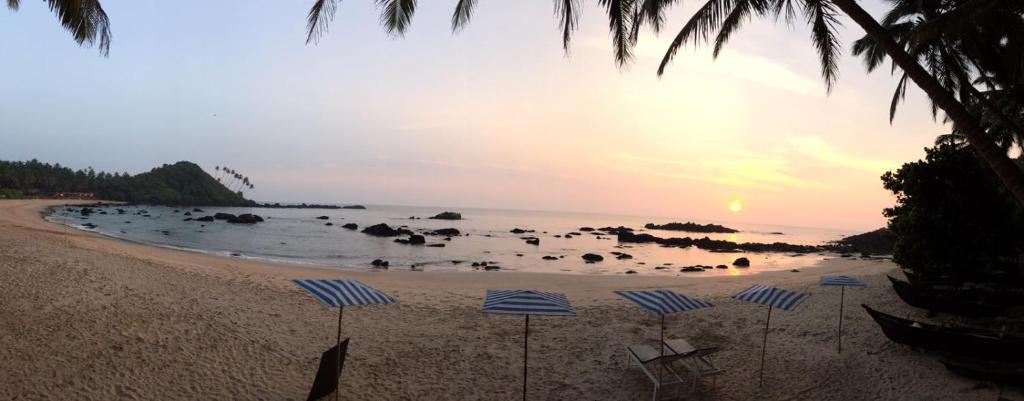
x=842 y=282
x=339 y=294
x=774 y=298
x=526 y=303
x=661 y=303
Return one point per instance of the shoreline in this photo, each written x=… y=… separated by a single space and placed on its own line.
x=440 y=266
x=89 y=317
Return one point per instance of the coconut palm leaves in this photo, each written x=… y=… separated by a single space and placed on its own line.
x=84 y=19
x=964 y=44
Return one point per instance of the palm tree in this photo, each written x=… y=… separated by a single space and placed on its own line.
x=954 y=39
x=84 y=19
x=722 y=18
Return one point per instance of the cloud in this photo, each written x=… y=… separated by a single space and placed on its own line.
x=794 y=164
x=735 y=168
x=729 y=65
x=818 y=149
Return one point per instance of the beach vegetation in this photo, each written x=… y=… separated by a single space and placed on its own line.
x=182 y=183
x=953 y=220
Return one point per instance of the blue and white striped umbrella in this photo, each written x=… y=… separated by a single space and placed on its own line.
x=842 y=281
x=771 y=296
x=527 y=302
x=336 y=293
x=663 y=302
x=339 y=294
x=774 y=298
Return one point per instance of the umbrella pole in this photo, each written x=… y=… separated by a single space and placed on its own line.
x=842 y=300
x=337 y=360
x=526 y=352
x=764 y=345
x=661 y=361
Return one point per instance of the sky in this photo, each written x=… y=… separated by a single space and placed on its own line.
x=495 y=116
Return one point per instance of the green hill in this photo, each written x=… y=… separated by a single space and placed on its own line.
x=181 y=183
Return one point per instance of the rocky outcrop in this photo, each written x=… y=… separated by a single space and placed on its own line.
x=247 y=218
x=381 y=230
x=351 y=226
x=446 y=232
x=592 y=257
x=691 y=227
x=447 y=216
x=741 y=262
x=224 y=216
x=715 y=245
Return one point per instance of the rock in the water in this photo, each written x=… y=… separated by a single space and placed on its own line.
x=690 y=269
x=518 y=230
x=623 y=256
x=417 y=239
x=630 y=271
x=186 y=213
x=360 y=207
x=205 y=218
x=586 y=229
x=447 y=232
x=447 y=216
x=351 y=226
x=247 y=218
x=741 y=262
x=380 y=263
x=492 y=267
x=533 y=241
x=721 y=267
x=197 y=210
x=549 y=258
x=592 y=257
x=329 y=224
x=323 y=218
x=224 y=216
x=436 y=245
x=381 y=230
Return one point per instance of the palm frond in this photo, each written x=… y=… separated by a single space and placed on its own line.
x=320 y=15
x=396 y=15
x=652 y=13
x=897 y=97
x=462 y=14
x=84 y=19
x=568 y=12
x=620 y=16
x=740 y=13
x=821 y=14
x=698 y=28
x=784 y=7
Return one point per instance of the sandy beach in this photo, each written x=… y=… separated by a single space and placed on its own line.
x=85 y=317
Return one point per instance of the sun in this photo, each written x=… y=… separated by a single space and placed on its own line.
x=736 y=206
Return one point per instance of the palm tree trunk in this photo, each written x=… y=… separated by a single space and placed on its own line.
x=1008 y=172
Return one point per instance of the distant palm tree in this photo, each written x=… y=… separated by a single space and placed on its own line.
x=720 y=19
x=84 y=19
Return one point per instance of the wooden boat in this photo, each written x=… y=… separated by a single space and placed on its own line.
x=964 y=341
x=969 y=303
x=999 y=372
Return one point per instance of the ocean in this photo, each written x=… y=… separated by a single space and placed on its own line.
x=297 y=236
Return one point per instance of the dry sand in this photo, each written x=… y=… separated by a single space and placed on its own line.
x=84 y=317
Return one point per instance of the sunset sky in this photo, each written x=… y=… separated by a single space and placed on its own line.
x=494 y=116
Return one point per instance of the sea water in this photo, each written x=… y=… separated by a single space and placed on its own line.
x=297 y=236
